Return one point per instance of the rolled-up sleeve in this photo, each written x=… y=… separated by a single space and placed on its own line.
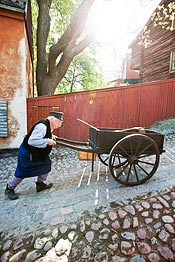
x=37 y=139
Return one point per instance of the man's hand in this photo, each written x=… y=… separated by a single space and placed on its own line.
x=54 y=137
x=51 y=142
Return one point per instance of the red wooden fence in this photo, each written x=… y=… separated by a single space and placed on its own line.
x=137 y=105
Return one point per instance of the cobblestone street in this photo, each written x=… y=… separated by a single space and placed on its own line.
x=88 y=216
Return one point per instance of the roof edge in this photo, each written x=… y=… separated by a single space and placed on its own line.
x=12 y=8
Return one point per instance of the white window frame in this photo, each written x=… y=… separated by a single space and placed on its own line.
x=172 y=61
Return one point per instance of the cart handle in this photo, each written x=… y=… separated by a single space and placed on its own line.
x=76 y=147
x=84 y=122
x=59 y=139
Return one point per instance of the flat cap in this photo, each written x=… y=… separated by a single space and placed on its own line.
x=58 y=115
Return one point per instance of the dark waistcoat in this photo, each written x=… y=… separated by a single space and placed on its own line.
x=40 y=154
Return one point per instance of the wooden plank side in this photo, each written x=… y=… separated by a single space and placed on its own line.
x=170 y=110
x=149 y=105
x=131 y=101
x=163 y=100
x=103 y=112
x=110 y=109
x=138 y=105
x=119 y=108
x=106 y=109
x=34 y=113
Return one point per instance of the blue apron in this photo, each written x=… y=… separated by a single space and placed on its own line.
x=28 y=167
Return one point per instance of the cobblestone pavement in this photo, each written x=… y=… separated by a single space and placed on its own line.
x=89 y=216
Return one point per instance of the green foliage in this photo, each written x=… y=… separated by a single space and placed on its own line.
x=61 y=13
x=83 y=74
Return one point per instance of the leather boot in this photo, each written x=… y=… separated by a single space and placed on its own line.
x=40 y=186
x=10 y=193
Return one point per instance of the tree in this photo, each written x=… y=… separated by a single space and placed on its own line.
x=163 y=16
x=53 y=64
x=82 y=74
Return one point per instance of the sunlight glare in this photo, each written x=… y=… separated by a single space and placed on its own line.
x=106 y=21
x=112 y=20
x=116 y=24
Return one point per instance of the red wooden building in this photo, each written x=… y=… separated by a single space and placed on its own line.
x=129 y=76
x=153 y=54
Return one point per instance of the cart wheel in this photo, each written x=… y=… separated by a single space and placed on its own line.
x=104 y=158
x=134 y=159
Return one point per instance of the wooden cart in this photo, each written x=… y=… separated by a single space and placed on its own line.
x=132 y=155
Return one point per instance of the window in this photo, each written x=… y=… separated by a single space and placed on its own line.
x=172 y=61
x=3 y=119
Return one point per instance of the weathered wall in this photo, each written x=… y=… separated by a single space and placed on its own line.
x=16 y=75
x=153 y=61
x=156 y=57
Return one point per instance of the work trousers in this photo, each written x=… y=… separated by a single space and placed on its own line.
x=12 y=184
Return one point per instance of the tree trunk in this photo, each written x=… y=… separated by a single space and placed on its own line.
x=52 y=67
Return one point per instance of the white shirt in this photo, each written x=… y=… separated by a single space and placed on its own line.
x=37 y=139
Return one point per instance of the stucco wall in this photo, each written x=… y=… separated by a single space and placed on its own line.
x=15 y=75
